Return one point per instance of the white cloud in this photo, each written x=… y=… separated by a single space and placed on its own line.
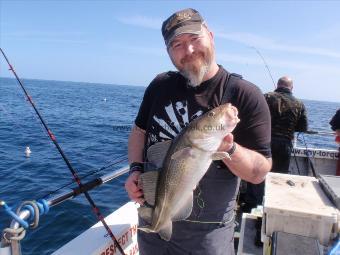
x=248 y=39
x=148 y=51
x=330 y=35
x=46 y=36
x=252 y=40
x=141 y=21
x=313 y=80
x=272 y=62
x=43 y=33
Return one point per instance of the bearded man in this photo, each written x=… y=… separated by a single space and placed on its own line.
x=171 y=101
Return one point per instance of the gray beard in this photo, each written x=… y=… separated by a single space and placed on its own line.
x=195 y=79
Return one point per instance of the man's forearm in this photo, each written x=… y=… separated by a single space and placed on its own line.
x=136 y=145
x=248 y=165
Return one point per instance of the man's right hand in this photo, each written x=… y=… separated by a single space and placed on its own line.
x=134 y=191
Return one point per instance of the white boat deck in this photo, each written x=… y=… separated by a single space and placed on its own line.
x=95 y=241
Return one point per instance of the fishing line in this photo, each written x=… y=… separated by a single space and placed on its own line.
x=296 y=162
x=16 y=166
x=72 y=170
x=20 y=127
x=308 y=158
x=120 y=159
x=21 y=130
x=265 y=64
x=15 y=123
x=21 y=135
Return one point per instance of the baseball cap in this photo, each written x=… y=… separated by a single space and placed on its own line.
x=182 y=22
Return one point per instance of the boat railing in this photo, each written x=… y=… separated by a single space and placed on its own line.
x=10 y=245
x=312 y=133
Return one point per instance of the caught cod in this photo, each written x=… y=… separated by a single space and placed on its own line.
x=185 y=163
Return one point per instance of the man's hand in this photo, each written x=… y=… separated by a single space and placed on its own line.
x=247 y=164
x=134 y=191
x=227 y=143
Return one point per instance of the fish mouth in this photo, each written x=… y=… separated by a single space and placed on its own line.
x=230 y=114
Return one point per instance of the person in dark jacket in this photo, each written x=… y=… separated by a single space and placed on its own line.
x=335 y=125
x=288 y=115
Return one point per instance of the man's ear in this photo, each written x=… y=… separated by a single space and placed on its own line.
x=211 y=34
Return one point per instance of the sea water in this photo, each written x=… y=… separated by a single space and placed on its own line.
x=91 y=122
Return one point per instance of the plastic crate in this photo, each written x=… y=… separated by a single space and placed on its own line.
x=297 y=205
x=285 y=243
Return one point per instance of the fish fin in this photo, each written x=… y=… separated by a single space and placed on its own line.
x=207 y=143
x=156 y=152
x=185 y=211
x=148 y=182
x=182 y=153
x=166 y=232
x=149 y=166
x=146 y=228
x=145 y=213
x=219 y=155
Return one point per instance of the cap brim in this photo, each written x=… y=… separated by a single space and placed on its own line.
x=187 y=29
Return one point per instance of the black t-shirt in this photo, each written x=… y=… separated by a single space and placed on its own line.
x=169 y=104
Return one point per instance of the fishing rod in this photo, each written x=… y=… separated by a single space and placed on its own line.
x=89 y=174
x=29 y=212
x=265 y=64
x=310 y=132
x=72 y=170
x=86 y=186
x=313 y=132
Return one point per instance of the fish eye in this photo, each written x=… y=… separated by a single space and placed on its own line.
x=211 y=114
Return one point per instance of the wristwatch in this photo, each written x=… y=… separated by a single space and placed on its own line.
x=232 y=149
x=136 y=166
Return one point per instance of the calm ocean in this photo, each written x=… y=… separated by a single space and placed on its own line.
x=91 y=122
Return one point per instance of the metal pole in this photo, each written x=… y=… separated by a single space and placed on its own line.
x=14 y=247
x=86 y=186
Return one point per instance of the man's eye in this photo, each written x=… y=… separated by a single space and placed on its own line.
x=195 y=38
x=176 y=45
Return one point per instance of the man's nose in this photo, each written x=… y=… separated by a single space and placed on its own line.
x=189 y=48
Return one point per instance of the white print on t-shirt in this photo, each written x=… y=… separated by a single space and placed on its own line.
x=197 y=114
x=164 y=125
x=182 y=109
x=171 y=114
x=174 y=127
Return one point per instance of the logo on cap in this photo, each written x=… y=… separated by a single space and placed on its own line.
x=178 y=18
x=184 y=21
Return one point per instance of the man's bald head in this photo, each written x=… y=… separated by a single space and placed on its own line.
x=285 y=82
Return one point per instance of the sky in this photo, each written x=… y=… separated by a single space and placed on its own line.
x=120 y=42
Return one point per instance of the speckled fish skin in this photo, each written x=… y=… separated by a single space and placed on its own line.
x=185 y=163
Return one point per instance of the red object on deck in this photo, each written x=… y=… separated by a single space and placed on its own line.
x=337 y=139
